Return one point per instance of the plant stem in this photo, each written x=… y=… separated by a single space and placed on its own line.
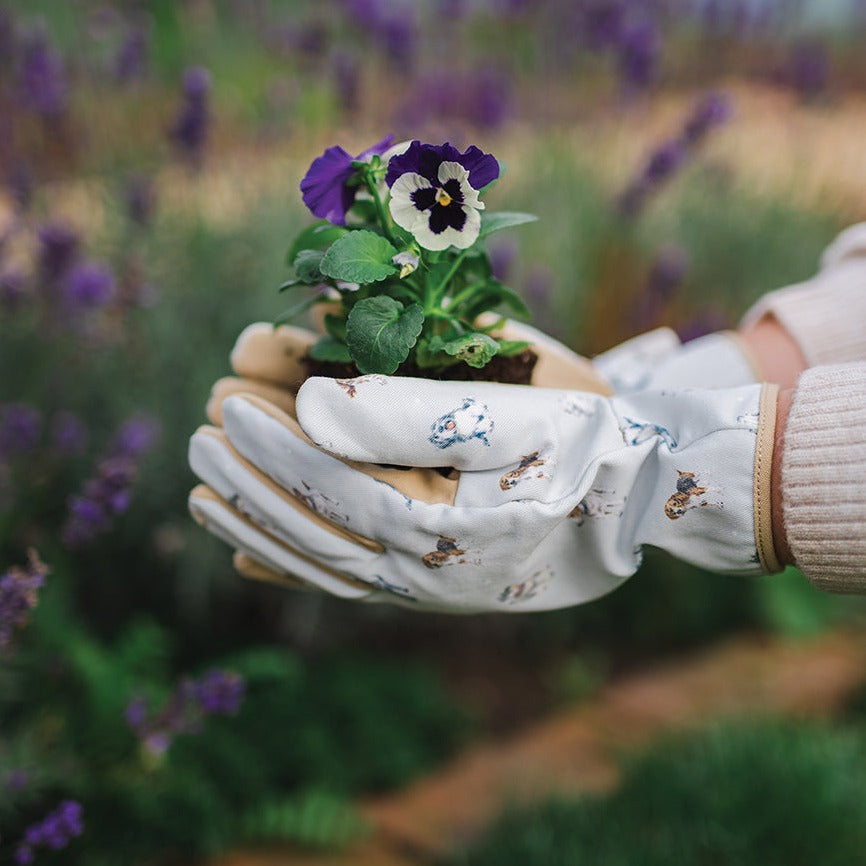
x=452 y=270
x=384 y=217
x=463 y=295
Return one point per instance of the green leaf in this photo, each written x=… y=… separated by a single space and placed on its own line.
x=491 y=296
x=307 y=266
x=297 y=309
x=475 y=349
x=315 y=237
x=290 y=284
x=380 y=332
x=360 y=257
x=335 y=326
x=494 y=222
x=507 y=348
x=328 y=349
x=365 y=210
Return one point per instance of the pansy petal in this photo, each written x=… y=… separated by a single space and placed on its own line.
x=450 y=236
x=482 y=167
x=404 y=163
x=379 y=148
x=403 y=208
x=455 y=171
x=323 y=186
x=471 y=229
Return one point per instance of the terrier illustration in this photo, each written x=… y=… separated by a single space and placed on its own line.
x=510 y=479
x=689 y=495
x=447 y=553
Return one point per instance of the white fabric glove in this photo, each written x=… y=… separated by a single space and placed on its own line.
x=557 y=490
x=657 y=359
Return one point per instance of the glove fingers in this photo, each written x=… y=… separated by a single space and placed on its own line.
x=422 y=422
x=222 y=520
x=229 y=385
x=317 y=534
x=273 y=442
x=252 y=569
x=272 y=354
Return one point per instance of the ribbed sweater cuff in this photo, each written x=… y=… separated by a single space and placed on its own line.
x=824 y=477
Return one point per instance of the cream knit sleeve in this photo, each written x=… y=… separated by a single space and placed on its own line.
x=824 y=477
x=826 y=315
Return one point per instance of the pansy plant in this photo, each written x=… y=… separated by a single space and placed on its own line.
x=399 y=255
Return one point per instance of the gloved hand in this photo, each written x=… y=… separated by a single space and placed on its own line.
x=557 y=490
x=267 y=363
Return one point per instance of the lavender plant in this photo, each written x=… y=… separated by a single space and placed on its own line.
x=400 y=249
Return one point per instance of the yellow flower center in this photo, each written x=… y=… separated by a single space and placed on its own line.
x=442 y=198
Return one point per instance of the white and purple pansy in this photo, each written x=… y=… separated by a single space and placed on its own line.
x=434 y=193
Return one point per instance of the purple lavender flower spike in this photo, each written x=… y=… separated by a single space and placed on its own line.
x=190 y=128
x=713 y=110
x=131 y=60
x=23 y=855
x=108 y=492
x=54 y=831
x=20 y=428
x=136 y=436
x=220 y=692
x=18 y=595
x=58 y=247
x=664 y=161
x=809 y=69
x=196 y=82
x=140 y=199
x=639 y=51
x=325 y=188
x=88 y=286
x=41 y=83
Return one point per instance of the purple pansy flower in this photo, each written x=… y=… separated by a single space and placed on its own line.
x=325 y=187
x=434 y=193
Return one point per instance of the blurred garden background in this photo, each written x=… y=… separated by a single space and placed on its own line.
x=684 y=156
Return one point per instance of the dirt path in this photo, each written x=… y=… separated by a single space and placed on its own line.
x=576 y=750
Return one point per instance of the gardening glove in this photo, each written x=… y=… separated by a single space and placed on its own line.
x=268 y=362
x=557 y=490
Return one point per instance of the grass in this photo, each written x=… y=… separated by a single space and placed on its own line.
x=754 y=794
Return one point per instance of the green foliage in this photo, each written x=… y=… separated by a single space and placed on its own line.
x=380 y=332
x=329 y=348
x=360 y=257
x=316 y=819
x=494 y=222
x=307 y=737
x=766 y=794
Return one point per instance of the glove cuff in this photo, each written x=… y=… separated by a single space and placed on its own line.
x=764 y=448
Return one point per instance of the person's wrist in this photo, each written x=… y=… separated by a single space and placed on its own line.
x=780 y=537
x=777 y=355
